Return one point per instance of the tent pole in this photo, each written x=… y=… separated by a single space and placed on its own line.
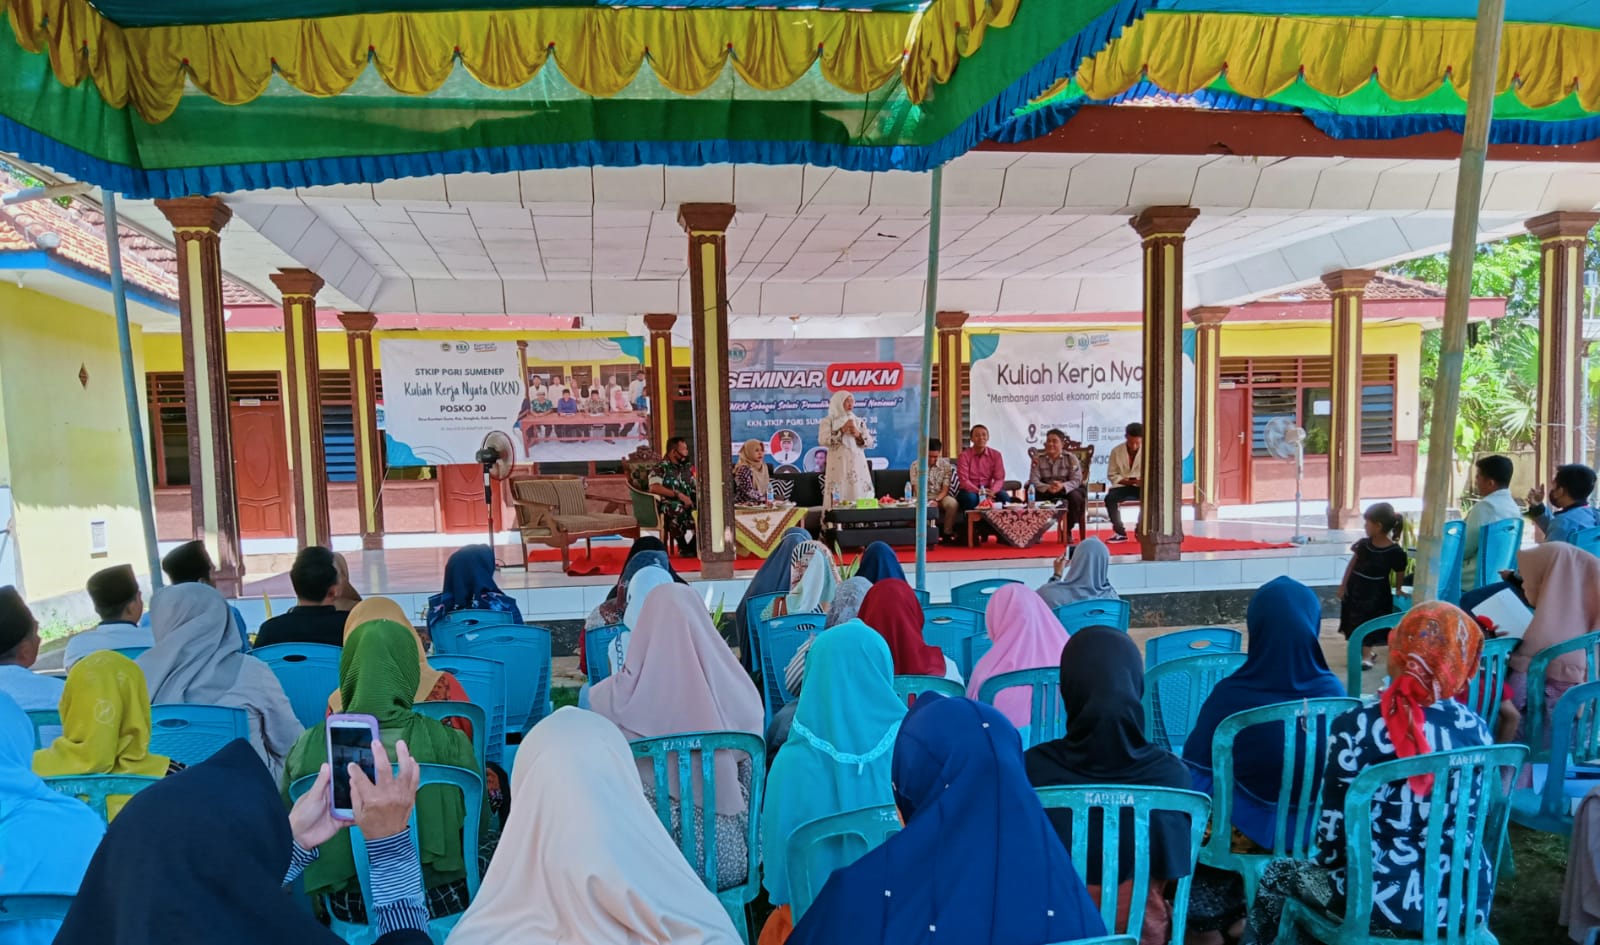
x=925 y=425
x=130 y=388
x=1458 y=293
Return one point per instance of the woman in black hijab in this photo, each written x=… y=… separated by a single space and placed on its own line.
x=203 y=856
x=1102 y=688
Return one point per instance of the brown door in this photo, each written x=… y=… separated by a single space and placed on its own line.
x=1233 y=446
x=261 y=471
x=461 y=499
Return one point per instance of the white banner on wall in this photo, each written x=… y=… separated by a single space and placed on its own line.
x=1088 y=384
x=441 y=398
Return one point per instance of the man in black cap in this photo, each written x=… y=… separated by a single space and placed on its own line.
x=120 y=604
x=19 y=648
x=190 y=563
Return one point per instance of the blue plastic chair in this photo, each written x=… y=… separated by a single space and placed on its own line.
x=1484 y=690
x=754 y=607
x=1047 y=716
x=1358 y=641
x=43 y=719
x=308 y=672
x=955 y=631
x=131 y=652
x=93 y=789
x=525 y=651
x=596 y=644
x=1452 y=549
x=447 y=630
x=1574 y=739
x=189 y=734
x=1106 y=811
x=781 y=638
x=485 y=683
x=470 y=784
x=974 y=595
x=1498 y=544
x=474 y=715
x=1201 y=641
x=1537 y=717
x=841 y=839
x=1093 y=613
x=1304 y=725
x=1488 y=767
x=911 y=685
x=678 y=752
x=33 y=907
x=1588 y=539
x=923 y=597
x=1175 y=690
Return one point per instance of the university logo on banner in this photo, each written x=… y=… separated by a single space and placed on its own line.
x=1088 y=384
x=781 y=390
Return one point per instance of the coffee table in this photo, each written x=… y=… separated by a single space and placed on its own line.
x=1017 y=525
x=858 y=528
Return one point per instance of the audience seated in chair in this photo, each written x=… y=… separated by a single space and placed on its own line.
x=673 y=481
x=1492 y=480
x=190 y=563
x=1086 y=576
x=1123 y=475
x=1025 y=635
x=469 y=585
x=892 y=609
x=120 y=604
x=19 y=650
x=1564 y=510
x=943 y=487
x=432 y=686
x=314 y=618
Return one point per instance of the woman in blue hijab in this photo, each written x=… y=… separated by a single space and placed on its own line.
x=46 y=839
x=771 y=578
x=1284 y=664
x=469 y=585
x=977 y=862
x=878 y=562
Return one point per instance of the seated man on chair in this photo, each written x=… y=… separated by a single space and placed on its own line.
x=673 y=480
x=980 y=468
x=943 y=484
x=1056 y=475
x=1123 y=472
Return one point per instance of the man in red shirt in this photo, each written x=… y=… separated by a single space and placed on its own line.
x=979 y=467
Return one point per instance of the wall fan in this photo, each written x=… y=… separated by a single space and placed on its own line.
x=1286 y=440
x=498 y=461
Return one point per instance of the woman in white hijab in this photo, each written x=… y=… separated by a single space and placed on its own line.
x=593 y=866
x=196 y=660
x=846 y=438
x=813 y=577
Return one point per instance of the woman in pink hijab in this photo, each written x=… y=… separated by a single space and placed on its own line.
x=1026 y=635
x=680 y=677
x=1562 y=583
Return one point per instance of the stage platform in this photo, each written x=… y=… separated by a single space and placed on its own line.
x=1201 y=587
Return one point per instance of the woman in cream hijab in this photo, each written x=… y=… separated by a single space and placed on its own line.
x=750 y=475
x=846 y=438
x=593 y=866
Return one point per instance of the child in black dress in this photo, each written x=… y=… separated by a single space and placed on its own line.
x=1367 y=591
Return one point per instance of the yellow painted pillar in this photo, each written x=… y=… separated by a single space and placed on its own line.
x=307 y=451
x=950 y=326
x=197 y=224
x=707 y=226
x=1558 y=421
x=1161 y=231
x=358 y=328
x=660 y=386
x=1207 y=378
x=1344 y=427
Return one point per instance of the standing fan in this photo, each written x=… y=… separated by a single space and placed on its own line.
x=495 y=455
x=1286 y=440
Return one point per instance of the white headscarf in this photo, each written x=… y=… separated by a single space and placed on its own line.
x=813 y=579
x=639 y=587
x=837 y=415
x=594 y=865
x=196 y=660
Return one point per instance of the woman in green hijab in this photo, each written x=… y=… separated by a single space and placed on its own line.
x=378 y=676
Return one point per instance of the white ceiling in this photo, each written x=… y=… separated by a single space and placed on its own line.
x=1021 y=234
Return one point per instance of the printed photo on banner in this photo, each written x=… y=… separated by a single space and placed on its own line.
x=1089 y=385
x=559 y=401
x=781 y=391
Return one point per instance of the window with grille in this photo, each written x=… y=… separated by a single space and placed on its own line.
x=1301 y=389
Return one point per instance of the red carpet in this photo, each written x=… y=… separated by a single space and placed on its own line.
x=608 y=559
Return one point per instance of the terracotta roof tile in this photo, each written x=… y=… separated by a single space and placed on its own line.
x=1384 y=287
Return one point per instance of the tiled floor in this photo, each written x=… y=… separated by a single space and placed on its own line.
x=409 y=575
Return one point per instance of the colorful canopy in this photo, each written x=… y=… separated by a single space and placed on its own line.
x=168 y=97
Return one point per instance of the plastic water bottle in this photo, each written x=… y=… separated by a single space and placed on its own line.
x=983 y=494
x=1031 y=495
x=909 y=492
x=771 y=493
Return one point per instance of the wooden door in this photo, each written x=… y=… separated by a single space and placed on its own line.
x=461 y=499
x=1233 y=446
x=261 y=471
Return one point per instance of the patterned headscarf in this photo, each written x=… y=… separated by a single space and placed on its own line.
x=1432 y=654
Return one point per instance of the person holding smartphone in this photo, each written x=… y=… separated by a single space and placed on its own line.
x=204 y=856
x=1124 y=472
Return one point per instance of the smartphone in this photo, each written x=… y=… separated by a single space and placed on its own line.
x=350 y=739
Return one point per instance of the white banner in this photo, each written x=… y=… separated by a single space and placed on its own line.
x=441 y=398
x=1087 y=384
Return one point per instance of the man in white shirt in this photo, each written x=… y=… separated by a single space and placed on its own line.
x=19 y=649
x=120 y=604
x=1124 y=472
x=1492 y=479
